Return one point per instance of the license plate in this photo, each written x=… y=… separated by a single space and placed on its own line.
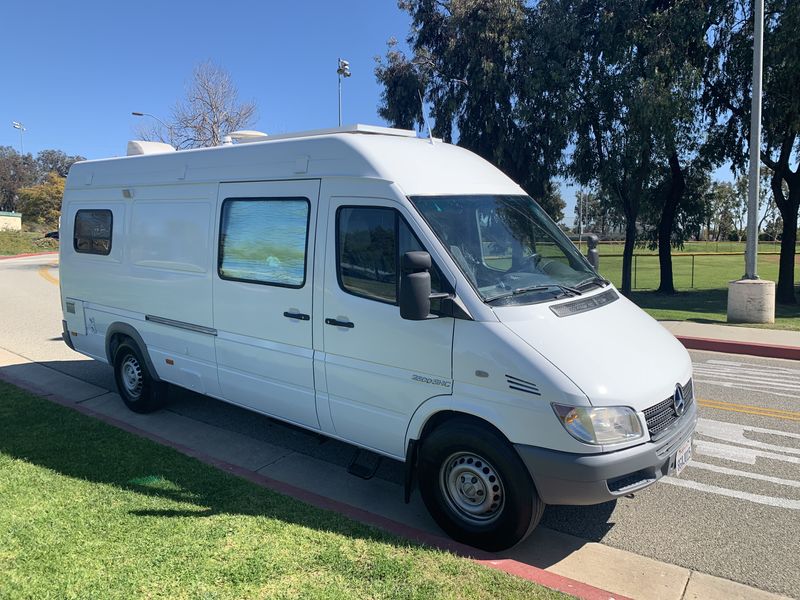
x=683 y=456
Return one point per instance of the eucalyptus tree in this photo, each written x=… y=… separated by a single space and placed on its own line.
x=470 y=64
x=728 y=86
x=637 y=108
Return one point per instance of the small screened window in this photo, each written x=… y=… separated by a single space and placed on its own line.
x=93 y=231
x=370 y=242
x=264 y=241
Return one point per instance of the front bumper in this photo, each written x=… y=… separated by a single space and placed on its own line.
x=567 y=478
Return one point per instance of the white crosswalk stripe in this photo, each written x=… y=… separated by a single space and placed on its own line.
x=739 y=445
x=767 y=379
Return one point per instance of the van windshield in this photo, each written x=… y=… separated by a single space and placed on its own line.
x=508 y=247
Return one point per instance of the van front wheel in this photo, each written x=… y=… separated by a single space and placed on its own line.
x=138 y=390
x=476 y=486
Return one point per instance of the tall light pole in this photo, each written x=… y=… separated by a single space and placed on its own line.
x=343 y=70
x=751 y=250
x=168 y=127
x=21 y=127
x=750 y=299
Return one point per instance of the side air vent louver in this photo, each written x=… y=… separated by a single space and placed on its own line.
x=515 y=383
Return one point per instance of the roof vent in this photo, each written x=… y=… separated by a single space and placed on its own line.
x=244 y=136
x=137 y=147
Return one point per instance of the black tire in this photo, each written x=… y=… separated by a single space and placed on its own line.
x=508 y=509
x=139 y=391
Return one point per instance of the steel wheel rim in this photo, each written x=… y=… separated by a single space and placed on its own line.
x=472 y=487
x=131 y=376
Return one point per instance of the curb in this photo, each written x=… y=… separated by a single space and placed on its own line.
x=512 y=567
x=733 y=347
x=27 y=254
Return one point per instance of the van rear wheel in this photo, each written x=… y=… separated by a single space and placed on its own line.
x=138 y=390
x=476 y=487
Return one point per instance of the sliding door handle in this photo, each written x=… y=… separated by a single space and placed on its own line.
x=338 y=323
x=298 y=316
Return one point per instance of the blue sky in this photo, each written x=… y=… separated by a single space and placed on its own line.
x=74 y=71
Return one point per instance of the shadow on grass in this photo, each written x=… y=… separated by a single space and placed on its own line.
x=77 y=446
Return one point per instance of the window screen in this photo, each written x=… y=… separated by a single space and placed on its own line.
x=264 y=241
x=370 y=242
x=92 y=233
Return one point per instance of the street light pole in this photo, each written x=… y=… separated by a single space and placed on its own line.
x=750 y=299
x=342 y=70
x=21 y=127
x=751 y=250
x=168 y=127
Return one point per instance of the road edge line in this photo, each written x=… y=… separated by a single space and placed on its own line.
x=513 y=567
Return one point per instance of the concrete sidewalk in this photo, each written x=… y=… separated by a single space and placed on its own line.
x=572 y=565
x=769 y=343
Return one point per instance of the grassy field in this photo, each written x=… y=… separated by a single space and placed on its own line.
x=90 y=511
x=22 y=242
x=711 y=272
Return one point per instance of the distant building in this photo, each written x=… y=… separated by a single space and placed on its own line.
x=10 y=221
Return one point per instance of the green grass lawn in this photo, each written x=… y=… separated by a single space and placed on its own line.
x=710 y=272
x=706 y=306
x=22 y=242
x=90 y=511
x=701 y=297
x=707 y=301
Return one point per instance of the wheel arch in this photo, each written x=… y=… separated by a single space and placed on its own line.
x=438 y=410
x=116 y=334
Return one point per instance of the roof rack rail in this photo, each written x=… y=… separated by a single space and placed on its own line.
x=357 y=128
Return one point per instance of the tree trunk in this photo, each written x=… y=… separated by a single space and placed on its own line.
x=784 y=291
x=671 y=201
x=627 y=255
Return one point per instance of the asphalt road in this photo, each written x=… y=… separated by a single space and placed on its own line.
x=733 y=513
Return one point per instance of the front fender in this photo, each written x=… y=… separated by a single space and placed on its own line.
x=529 y=421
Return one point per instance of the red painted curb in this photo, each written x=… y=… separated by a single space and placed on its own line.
x=732 y=347
x=493 y=561
x=28 y=254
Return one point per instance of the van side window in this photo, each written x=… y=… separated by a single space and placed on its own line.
x=264 y=241
x=369 y=243
x=92 y=233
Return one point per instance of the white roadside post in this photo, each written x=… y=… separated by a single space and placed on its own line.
x=750 y=299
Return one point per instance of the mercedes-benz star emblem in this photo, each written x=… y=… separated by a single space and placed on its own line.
x=678 y=403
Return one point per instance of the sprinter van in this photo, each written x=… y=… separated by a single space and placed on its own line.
x=395 y=292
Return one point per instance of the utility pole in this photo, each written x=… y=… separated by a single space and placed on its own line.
x=343 y=70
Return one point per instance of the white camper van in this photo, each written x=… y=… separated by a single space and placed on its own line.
x=394 y=292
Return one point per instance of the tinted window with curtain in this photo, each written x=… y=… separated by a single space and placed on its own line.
x=264 y=241
x=92 y=234
x=369 y=251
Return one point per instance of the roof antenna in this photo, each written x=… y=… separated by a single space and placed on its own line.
x=424 y=117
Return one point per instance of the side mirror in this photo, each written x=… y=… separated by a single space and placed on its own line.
x=415 y=286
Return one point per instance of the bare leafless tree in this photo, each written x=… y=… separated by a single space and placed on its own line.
x=210 y=110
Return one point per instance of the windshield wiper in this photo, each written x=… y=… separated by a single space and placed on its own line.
x=595 y=280
x=566 y=290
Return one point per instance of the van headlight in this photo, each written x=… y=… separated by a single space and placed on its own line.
x=599 y=424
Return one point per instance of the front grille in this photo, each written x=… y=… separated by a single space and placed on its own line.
x=661 y=416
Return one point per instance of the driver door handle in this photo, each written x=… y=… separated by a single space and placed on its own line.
x=338 y=323
x=298 y=316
